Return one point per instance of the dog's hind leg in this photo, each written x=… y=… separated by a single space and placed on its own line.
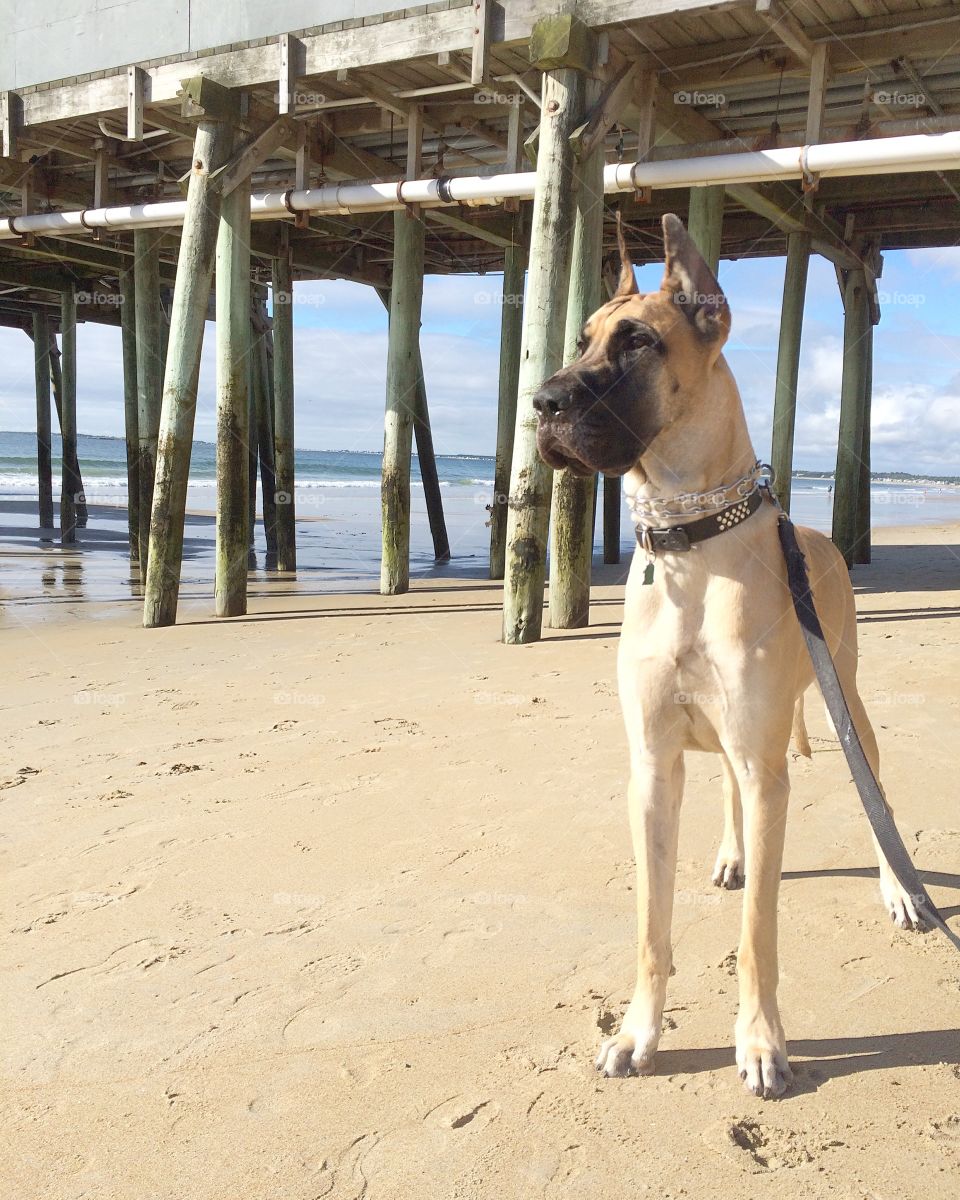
x=728 y=869
x=655 y=792
x=761 y=1046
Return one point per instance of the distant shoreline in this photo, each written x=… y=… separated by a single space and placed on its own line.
x=951 y=481
x=822 y=476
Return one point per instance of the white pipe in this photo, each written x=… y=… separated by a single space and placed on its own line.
x=917 y=152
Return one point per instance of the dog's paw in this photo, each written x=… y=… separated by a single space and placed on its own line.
x=763 y=1066
x=899 y=904
x=625 y=1055
x=728 y=870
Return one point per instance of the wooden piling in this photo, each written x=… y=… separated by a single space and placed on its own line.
x=426 y=457
x=705 y=222
x=788 y=364
x=544 y=320
x=283 y=411
x=263 y=402
x=427 y=461
x=71 y=487
x=612 y=507
x=151 y=333
x=128 y=335
x=852 y=415
x=41 y=370
x=863 y=552
x=56 y=383
x=403 y=377
x=253 y=372
x=233 y=400
x=571 y=527
x=191 y=296
x=511 y=329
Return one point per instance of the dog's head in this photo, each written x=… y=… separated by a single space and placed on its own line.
x=642 y=367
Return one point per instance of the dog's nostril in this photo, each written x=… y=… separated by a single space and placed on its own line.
x=551 y=404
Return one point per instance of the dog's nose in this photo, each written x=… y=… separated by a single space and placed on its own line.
x=552 y=401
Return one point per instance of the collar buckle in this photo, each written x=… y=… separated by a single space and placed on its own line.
x=673 y=539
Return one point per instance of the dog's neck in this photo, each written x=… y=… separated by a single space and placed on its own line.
x=708 y=447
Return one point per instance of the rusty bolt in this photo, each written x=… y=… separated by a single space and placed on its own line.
x=552 y=106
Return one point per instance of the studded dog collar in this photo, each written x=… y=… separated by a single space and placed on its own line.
x=682 y=537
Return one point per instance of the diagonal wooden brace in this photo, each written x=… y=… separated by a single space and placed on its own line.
x=253 y=152
x=606 y=112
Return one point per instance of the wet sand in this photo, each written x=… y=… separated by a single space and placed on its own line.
x=336 y=900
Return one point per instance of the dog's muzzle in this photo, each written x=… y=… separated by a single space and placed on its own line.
x=577 y=432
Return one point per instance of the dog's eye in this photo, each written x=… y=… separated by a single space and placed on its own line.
x=637 y=337
x=582 y=343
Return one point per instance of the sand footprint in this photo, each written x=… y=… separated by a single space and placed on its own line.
x=463 y=1112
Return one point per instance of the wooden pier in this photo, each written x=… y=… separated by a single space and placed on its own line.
x=459 y=88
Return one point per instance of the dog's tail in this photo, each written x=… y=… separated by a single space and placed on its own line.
x=799 y=731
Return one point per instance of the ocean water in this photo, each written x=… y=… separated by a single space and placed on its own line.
x=103 y=465
x=338 y=517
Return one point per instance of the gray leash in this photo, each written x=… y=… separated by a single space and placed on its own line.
x=872 y=797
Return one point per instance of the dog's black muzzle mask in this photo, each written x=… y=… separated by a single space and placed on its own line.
x=585 y=422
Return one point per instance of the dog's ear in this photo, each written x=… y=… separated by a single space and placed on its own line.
x=628 y=281
x=691 y=283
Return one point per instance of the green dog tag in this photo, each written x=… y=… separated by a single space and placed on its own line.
x=648 y=574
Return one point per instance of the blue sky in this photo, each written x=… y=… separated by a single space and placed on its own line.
x=340 y=354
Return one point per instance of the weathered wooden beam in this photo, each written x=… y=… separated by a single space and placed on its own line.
x=148 y=323
x=571 y=527
x=253 y=371
x=786 y=27
x=852 y=415
x=252 y=153
x=22 y=274
x=511 y=328
x=855 y=46
x=93 y=259
x=562 y=40
x=131 y=426
x=284 y=442
x=427 y=461
x=705 y=222
x=191 y=294
x=863 y=551
x=11 y=121
x=482 y=10
x=56 y=375
x=496 y=236
x=136 y=85
x=605 y=111
x=817 y=96
x=403 y=375
x=612 y=508
x=419 y=35
x=426 y=457
x=71 y=488
x=233 y=402
x=41 y=370
x=544 y=318
x=291 y=69
x=788 y=365
x=263 y=409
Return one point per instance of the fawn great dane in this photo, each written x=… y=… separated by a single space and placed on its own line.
x=711 y=655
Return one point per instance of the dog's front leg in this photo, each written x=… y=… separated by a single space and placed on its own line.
x=655 y=792
x=761 y=1046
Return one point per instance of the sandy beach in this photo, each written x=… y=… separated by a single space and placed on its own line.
x=336 y=900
